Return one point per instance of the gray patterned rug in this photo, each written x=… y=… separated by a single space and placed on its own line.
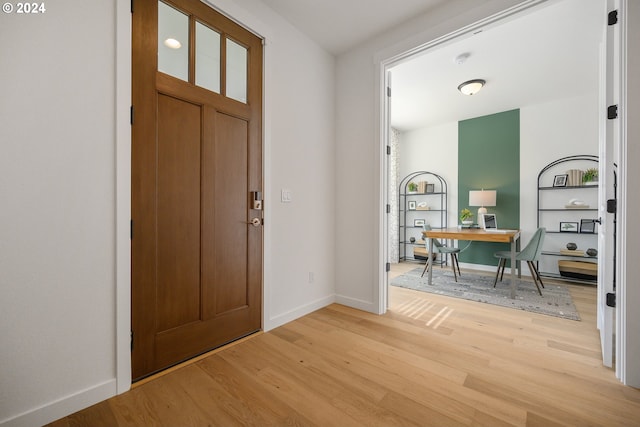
x=555 y=300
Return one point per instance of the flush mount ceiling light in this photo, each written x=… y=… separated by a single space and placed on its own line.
x=172 y=43
x=471 y=87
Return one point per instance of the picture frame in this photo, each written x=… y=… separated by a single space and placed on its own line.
x=421 y=222
x=588 y=226
x=560 y=180
x=569 y=227
x=411 y=205
x=431 y=188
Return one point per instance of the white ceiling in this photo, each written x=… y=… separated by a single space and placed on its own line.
x=339 y=25
x=548 y=52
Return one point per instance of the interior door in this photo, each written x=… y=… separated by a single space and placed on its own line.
x=196 y=182
x=607 y=229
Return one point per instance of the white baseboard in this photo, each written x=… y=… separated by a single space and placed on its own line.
x=358 y=304
x=62 y=407
x=281 y=319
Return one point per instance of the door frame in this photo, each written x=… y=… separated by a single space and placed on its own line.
x=123 y=175
x=384 y=61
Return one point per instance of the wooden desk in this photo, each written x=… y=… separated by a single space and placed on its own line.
x=475 y=234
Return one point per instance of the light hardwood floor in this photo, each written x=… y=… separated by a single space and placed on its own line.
x=430 y=361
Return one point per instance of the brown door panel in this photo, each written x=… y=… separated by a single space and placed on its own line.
x=196 y=156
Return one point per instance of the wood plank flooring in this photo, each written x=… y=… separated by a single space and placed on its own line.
x=430 y=361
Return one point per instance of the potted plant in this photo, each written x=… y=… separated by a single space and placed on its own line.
x=466 y=216
x=412 y=187
x=590 y=176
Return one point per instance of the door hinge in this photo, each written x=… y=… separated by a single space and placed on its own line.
x=132 y=340
x=132 y=6
x=388 y=91
x=388 y=150
x=387 y=267
x=388 y=208
x=612 y=112
x=131 y=229
x=611 y=300
x=612 y=17
x=612 y=206
x=131 y=112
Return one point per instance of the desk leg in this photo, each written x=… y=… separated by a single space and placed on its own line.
x=513 y=269
x=430 y=261
x=519 y=263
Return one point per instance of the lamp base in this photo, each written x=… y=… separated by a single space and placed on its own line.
x=481 y=212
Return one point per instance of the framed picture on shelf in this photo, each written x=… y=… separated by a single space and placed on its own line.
x=560 y=180
x=568 y=227
x=420 y=222
x=588 y=226
x=431 y=188
x=411 y=205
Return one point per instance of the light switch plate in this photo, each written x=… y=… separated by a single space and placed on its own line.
x=285 y=195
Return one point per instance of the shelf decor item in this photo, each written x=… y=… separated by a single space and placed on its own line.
x=574 y=177
x=568 y=227
x=412 y=187
x=411 y=205
x=590 y=176
x=587 y=225
x=418 y=222
x=572 y=246
x=578 y=269
x=560 y=180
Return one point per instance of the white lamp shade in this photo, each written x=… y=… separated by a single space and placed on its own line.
x=482 y=198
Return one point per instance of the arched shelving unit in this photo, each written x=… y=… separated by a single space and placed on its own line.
x=569 y=211
x=427 y=203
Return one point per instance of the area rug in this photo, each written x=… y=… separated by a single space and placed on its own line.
x=555 y=300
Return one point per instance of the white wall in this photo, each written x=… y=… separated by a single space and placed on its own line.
x=57 y=232
x=434 y=149
x=550 y=131
x=62 y=184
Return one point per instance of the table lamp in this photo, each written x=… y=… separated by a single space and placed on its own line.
x=482 y=198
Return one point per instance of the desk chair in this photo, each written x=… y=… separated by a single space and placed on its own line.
x=442 y=249
x=530 y=253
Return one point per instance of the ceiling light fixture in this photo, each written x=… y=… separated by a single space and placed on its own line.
x=471 y=87
x=172 y=43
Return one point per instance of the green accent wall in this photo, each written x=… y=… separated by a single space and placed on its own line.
x=489 y=158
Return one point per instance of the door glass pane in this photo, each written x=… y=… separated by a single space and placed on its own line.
x=207 y=58
x=236 y=71
x=173 y=42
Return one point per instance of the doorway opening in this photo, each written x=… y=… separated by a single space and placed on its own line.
x=422 y=132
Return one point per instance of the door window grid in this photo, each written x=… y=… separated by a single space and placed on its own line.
x=213 y=54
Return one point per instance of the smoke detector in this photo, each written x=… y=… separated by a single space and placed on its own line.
x=462 y=58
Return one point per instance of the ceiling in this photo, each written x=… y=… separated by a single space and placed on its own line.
x=339 y=25
x=545 y=53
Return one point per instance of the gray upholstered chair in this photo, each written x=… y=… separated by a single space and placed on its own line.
x=442 y=249
x=531 y=254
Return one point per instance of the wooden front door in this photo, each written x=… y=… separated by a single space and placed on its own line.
x=196 y=163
